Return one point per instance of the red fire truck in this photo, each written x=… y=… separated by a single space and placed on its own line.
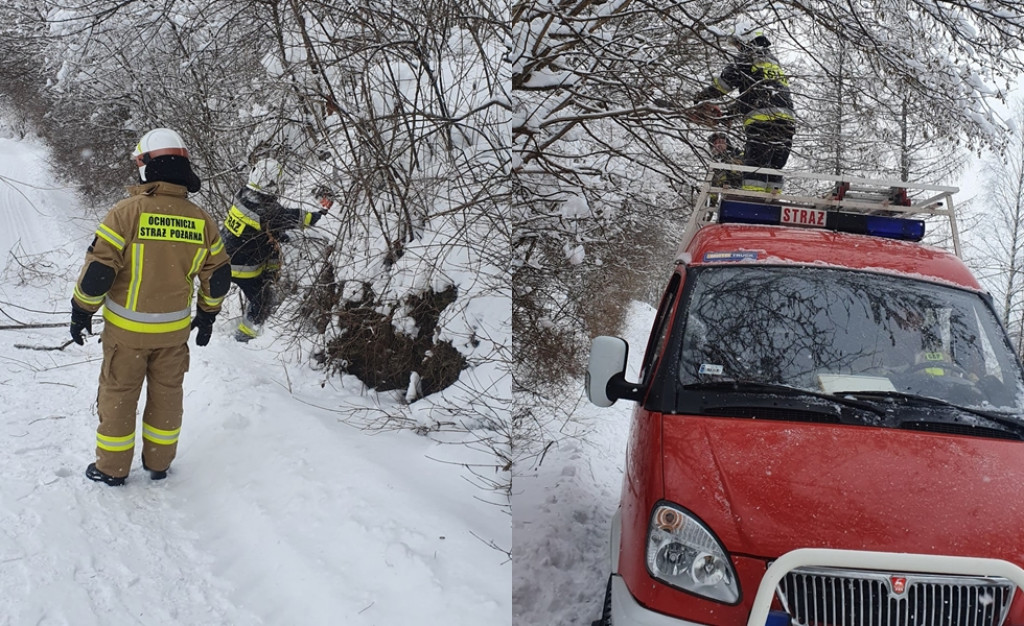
x=829 y=421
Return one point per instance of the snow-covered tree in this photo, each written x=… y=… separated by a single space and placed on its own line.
x=603 y=158
x=852 y=122
x=1001 y=260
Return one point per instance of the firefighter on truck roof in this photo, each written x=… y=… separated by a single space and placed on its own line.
x=765 y=102
x=141 y=267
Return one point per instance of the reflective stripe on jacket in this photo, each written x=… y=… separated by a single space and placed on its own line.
x=254 y=224
x=247 y=271
x=157 y=243
x=762 y=85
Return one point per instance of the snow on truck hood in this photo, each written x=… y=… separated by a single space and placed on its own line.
x=768 y=487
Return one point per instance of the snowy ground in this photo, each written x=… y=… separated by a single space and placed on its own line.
x=562 y=508
x=276 y=511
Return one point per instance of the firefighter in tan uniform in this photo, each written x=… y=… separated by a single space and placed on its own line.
x=141 y=268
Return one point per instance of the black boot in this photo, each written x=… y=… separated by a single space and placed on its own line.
x=154 y=474
x=94 y=474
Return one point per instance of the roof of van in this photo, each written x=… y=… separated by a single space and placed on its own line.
x=774 y=245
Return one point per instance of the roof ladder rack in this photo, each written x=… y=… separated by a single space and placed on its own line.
x=828 y=192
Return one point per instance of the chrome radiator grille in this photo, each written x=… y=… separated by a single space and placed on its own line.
x=830 y=597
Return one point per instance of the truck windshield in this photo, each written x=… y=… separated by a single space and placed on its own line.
x=840 y=331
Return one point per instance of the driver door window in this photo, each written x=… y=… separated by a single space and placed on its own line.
x=662 y=322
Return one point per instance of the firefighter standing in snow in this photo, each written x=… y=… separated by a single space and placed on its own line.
x=764 y=101
x=255 y=225
x=141 y=267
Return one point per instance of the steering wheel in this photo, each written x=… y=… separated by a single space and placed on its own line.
x=948 y=367
x=955 y=384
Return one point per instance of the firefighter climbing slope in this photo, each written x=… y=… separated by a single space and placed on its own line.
x=255 y=227
x=141 y=267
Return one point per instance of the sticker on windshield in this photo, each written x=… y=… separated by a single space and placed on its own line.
x=743 y=255
x=711 y=370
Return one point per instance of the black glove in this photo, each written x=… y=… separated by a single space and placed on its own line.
x=81 y=320
x=707 y=93
x=204 y=322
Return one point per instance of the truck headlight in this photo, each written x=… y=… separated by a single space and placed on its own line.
x=683 y=553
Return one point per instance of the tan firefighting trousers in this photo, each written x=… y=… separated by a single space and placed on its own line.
x=121 y=376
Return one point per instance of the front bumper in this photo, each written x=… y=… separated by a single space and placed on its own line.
x=626 y=611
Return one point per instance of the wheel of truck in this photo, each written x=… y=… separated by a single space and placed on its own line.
x=606 y=612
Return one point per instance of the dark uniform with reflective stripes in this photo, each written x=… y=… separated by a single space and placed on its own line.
x=765 y=102
x=252 y=230
x=141 y=268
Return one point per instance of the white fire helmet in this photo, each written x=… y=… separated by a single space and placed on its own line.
x=157 y=142
x=267 y=176
x=745 y=32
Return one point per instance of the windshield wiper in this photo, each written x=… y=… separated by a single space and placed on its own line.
x=751 y=386
x=999 y=418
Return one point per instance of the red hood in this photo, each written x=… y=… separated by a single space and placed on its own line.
x=766 y=488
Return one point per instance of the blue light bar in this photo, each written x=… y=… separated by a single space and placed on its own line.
x=895 y=227
x=732 y=211
x=735 y=212
x=878 y=226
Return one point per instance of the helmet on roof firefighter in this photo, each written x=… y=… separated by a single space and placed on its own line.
x=161 y=155
x=747 y=33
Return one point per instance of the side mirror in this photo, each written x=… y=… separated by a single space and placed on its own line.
x=606 y=372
